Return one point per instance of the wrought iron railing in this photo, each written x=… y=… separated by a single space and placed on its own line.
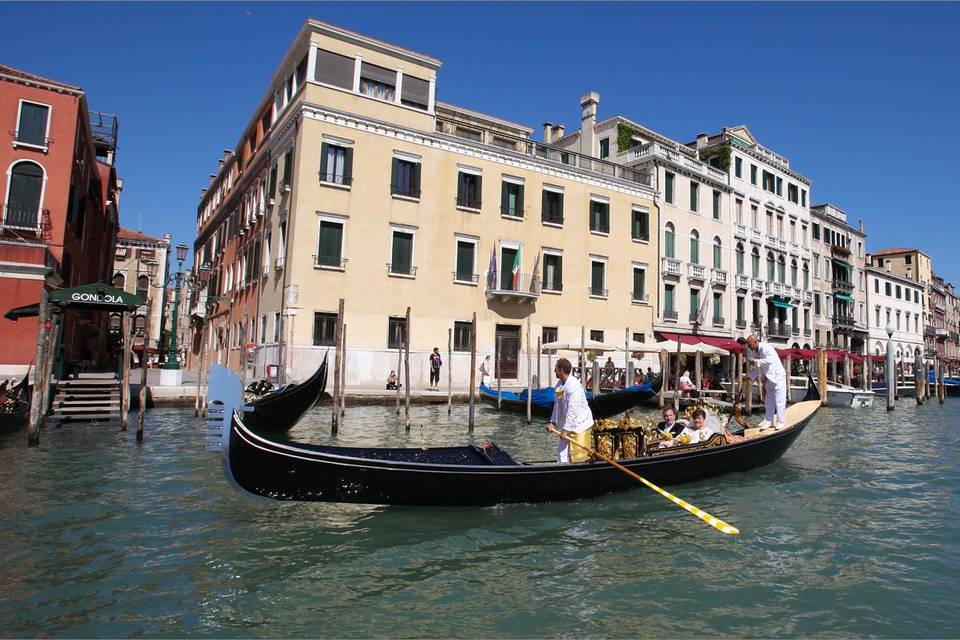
x=23 y=218
x=401 y=269
x=333 y=178
x=505 y=282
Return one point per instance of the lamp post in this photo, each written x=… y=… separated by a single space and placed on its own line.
x=172 y=363
x=891 y=375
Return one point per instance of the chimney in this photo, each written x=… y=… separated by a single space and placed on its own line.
x=588 y=120
x=547 y=132
x=226 y=154
x=558 y=130
x=702 y=140
x=213 y=177
x=220 y=164
x=861 y=225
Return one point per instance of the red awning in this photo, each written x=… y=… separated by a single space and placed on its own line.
x=724 y=343
x=680 y=337
x=139 y=347
x=877 y=358
x=797 y=354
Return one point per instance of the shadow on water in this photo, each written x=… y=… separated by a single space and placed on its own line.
x=851 y=533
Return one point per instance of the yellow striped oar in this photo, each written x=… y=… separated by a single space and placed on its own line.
x=716 y=523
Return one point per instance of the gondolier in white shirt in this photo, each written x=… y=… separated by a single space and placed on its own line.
x=571 y=414
x=767 y=363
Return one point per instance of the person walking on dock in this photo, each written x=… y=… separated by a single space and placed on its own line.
x=435 y=364
x=571 y=413
x=767 y=363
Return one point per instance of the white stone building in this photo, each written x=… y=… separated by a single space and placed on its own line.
x=897 y=301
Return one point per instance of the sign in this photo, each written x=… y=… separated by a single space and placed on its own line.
x=96 y=298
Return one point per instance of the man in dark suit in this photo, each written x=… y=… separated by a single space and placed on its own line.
x=670 y=423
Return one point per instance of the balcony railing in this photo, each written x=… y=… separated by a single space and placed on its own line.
x=696 y=271
x=756 y=237
x=718 y=276
x=331 y=262
x=670 y=315
x=551 y=218
x=778 y=330
x=466 y=277
x=771 y=241
x=554 y=286
x=597 y=292
x=741 y=324
x=718 y=321
x=782 y=245
x=23 y=218
x=508 y=286
x=404 y=191
x=402 y=270
x=741 y=281
x=642 y=297
x=842 y=320
x=672 y=266
x=693 y=316
x=795 y=331
x=758 y=285
x=808 y=296
x=806 y=333
x=469 y=203
x=657 y=150
x=842 y=285
x=794 y=249
x=333 y=178
x=739 y=231
x=837 y=250
x=21 y=137
x=805 y=252
x=774 y=288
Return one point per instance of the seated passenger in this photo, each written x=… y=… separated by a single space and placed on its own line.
x=392 y=380
x=694 y=433
x=670 y=424
x=686 y=384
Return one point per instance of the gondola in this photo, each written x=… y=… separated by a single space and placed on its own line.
x=603 y=405
x=15 y=416
x=267 y=466
x=279 y=410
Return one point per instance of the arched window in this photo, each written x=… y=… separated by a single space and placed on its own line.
x=793 y=273
x=143 y=286
x=806 y=276
x=694 y=247
x=755 y=263
x=119 y=281
x=717 y=253
x=771 y=269
x=740 y=258
x=669 y=250
x=139 y=324
x=782 y=270
x=22 y=209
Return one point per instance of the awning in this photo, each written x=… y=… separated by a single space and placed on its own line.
x=797 y=354
x=843 y=264
x=782 y=304
x=725 y=344
x=98 y=296
x=26 y=311
x=843 y=296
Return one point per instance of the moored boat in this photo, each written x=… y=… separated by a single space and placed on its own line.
x=602 y=405
x=265 y=465
x=838 y=395
x=15 y=409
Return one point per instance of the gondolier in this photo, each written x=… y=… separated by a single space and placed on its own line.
x=767 y=363
x=571 y=413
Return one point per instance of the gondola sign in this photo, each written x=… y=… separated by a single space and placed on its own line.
x=96 y=297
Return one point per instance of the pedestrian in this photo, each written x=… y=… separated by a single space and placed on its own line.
x=767 y=363
x=571 y=414
x=435 y=364
x=486 y=372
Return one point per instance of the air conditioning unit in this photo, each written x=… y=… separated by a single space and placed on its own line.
x=280 y=262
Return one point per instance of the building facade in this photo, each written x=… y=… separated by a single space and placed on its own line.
x=839 y=280
x=697 y=262
x=134 y=250
x=915 y=265
x=60 y=210
x=772 y=290
x=352 y=181
x=897 y=302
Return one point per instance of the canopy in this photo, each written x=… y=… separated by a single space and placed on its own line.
x=574 y=345
x=843 y=296
x=706 y=342
x=26 y=311
x=783 y=304
x=98 y=296
x=671 y=347
x=843 y=264
x=797 y=354
x=632 y=345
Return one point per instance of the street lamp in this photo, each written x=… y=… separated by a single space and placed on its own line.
x=172 y=363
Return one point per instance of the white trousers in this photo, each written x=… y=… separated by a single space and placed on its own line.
x=563 y=451
x=775 y=400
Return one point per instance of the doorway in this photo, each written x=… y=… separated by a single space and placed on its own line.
x=508 y=256
x=508 y=351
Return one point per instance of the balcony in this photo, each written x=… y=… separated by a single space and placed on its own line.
x=756 y=237
x=672 y=267
x=839 y=252
x=657 y=150
x=466 y=278
x=670 y=316
x=808 y=296
x=739 y=231
x=506 y=286
x=335 y=263
x=552 y=218
x=718 y=322
x=843 y=321
x=22 y=218
x=642 y=298
x=805 y=252
x=401 y=270
x=770 y=241
x=778 y=330
x=782 y=245
x=696 y=272
x=597 y=292
x=741 y=324
x=758 y=286
x=842 y=285
x=718 y=277
x=795 y=332
x=774 y=288
x=741 y=281
x=794 y=249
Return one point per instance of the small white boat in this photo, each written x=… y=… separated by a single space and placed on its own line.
x=838 y=395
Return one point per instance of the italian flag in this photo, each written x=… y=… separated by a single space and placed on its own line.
x=516 y=272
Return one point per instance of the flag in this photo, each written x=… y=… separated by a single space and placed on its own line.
x=516 y=272
x=492 y=270
x=535 y=278
x=702 y=311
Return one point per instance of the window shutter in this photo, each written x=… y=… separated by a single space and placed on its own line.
x=544 y=211
x=637 y=284
x=401 y=252
x=395 y=176
x=519 y=211
x=324 y=149
x=504 y=197
x=560 y=206
x=460 y=188
x=479 y=197
x=348 y=166
x=416 y=179
x=273 y=180
x=465 y=260
x=331 y=237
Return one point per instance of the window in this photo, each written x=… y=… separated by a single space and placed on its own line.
x=599 y=216
x=770 y=223
x=755 y=217
x=23 y=198
x=717 y=253
x=461 y=333
x=876 y=286
x=639 y=337
x=143 y=287
x=511 y=199
x=739 y=253
x=782 y=270
x=334 y=69
x=330 y=244
x=769 y=181
x=668 y=307
x=694 y=304
x=640 y=225
x=694 y=247
x=888 y=289
x=779 y=186
x=415 y=92
x=548 y=335
x=899 y=292
x=816 y=303
x=263 y=329
x=806 y=319
x=552 y=272
x=277 y=326
x=598 y=278
x=119 y=281
x=740 y=310
x=780 y=227
x=401 y=257
x=33 y=123
x=324 y=329
x=739 y=211
x=552 y=206
x=336 y=164
x=793 y=193
x=639 y=284
x=755 y=263
x=793 y=273
x=469 y=190
x=694 y=196
x=716 y=205
x=738 y=167
x=466 y=261
x=406 y=178
x=717 y=308
x=907 y=259
x=916 y=297
x=378 y=82
x=287 y=168
x=803 y=197
x=806 y=276
x=605 y=147
x=396 y=332
x=770 y=267
x=816 y=265
x=596 y=334
x=669 y=180
x=669 y=250
x=753 y=174
x=816 y=231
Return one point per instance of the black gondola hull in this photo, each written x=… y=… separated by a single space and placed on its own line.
x=14 y=420
x=277 y=412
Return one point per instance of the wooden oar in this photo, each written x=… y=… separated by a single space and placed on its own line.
x=716 y=523
x=736 y=405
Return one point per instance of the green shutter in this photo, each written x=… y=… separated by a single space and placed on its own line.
x=395 y=176
x=348 y=166
x=596 y=277
x=402 y=250
x=669 y=249
x=324 y=148
x=694 y=302
x=505 y=198
x=331 y=238
x=668 y=299
x=479 y=200
x=461 y=188
x=273 y=180
x=638 y=284
x=465 y=261
x=519 y=211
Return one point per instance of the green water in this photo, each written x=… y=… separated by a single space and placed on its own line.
x=852 y=533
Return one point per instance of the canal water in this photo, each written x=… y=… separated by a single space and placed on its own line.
x=854 y=532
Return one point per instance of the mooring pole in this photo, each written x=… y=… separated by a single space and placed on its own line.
x=142 y=397
x=539 y=356
x=917 y=380
x=36 y=408
x=449 y=371
x=529 y=374
x=125 y=372
x=343 y=371
x=473 y=371
x=399 y=365
x=891 y=372
x=822 y=375
x=498 y=371
x=664 y=376
x=337 y=346
x=406 y=371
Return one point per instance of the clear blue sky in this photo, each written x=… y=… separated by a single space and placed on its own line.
x=862 y=98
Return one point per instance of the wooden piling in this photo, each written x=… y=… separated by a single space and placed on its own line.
x=917 y=379
x=406 y=372
x=337 y=346
x=822 y=375
x=529 y=374
x=496 y=366
x=748 y=391
x=125 y=372
x=343 y=370
x=449 y=371
x=789 y=367
x=473 y=371
x=698 y=369
x=941 y=384
x=595 y=373
x=627 y=372
x=142 y=397
x=539 y=355
x=865 y=372
x=53 y=338
x=200 y=370
x=399 y=367
x=36 y=408
x=664 y=376
x=583 y=359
